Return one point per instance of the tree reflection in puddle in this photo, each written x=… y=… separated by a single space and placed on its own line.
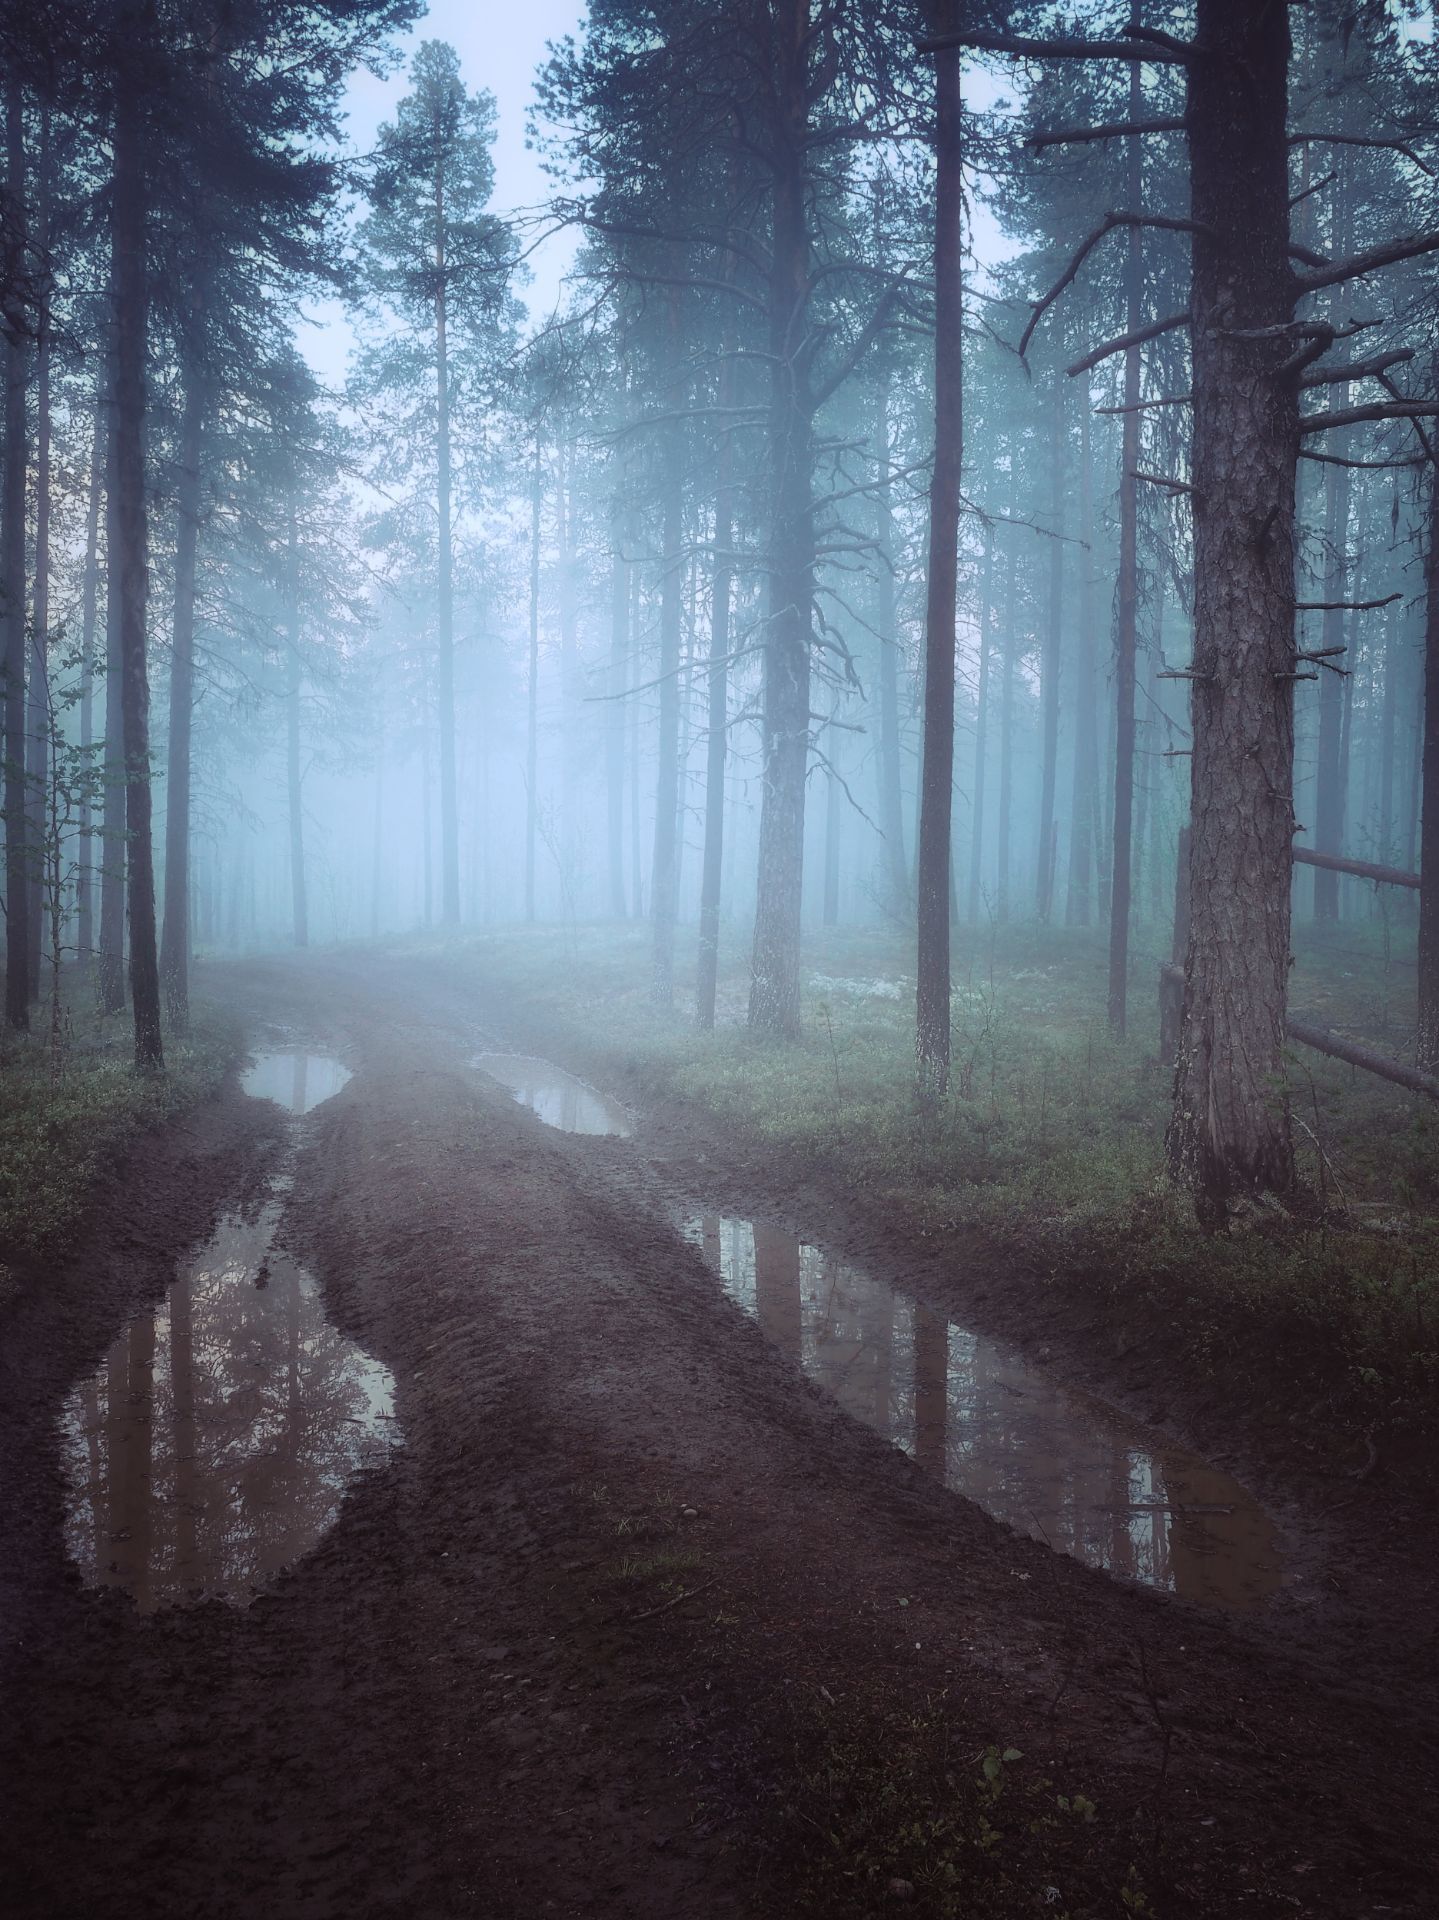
x=556 y=1097
x=295 y=1080
x=1047 y=1460
x=214 y=1445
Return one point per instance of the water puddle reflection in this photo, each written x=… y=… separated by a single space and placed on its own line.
x=297 y=1081
x=1047 y=1460
x=214 y=1445
x=557 y=1097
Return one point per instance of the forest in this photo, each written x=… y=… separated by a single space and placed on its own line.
x=718 y=1178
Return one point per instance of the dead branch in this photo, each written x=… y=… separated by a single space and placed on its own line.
x=1142 y=406
x=1110 y=222
x=1358 y=416
x=1026 y=49
x=1356 y=369
x=1344 y=606
x=1408 y=247
x=1363 y=140
x=1151 y=330
x=1112 y=130
x=1161 y=480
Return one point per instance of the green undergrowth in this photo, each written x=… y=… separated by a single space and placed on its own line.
x=897 y=1809
x=1050 y=1146
x=60 y=1134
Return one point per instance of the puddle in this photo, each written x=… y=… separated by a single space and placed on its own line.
x=557 y=1097
x=1047 y=1460
x=295 y=1081
x=214 y=1445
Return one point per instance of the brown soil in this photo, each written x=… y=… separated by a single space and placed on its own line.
x=461 y=1704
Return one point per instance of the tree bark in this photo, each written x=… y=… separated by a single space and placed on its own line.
x=131 y=560
x=981 y=728
x=1049 y=767
x=89 y=599
x=1127 y=595
x=1084 y=791
x=717 y=684
x=12 y=561
x=445 y=587
x=1428 y=1036
x=1230 y=1131
x=532 y=703
x=294 y=775
x=110 y=979
x=39 y=729
x=891 y=798
x=175 y=929
x=785 y=717
x=932 y=984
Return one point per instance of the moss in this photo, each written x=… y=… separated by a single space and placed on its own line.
x=57 y=1137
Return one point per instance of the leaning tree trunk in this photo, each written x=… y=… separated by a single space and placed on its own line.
x=130 y=562
x=936 y=804
x=1428 y=1045
x=1230 y=1130
x=785 y=716
x=12 y=578
x=175 y=931
x=1127 y=599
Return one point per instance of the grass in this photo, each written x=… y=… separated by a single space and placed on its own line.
x=1051 y=1146
x=58 y=1137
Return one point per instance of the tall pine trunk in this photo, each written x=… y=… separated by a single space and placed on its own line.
x=445 y=588
x=294 y=772
x=39 y=726
x=130 y=562
x=1044 y=889
x=932 y=986
x=1230 y=1131
x=785 y=715
x=12 y=575
x=1127 y=598
x=1428 y=1040
x=891 y=798
x=615 y=717
x=89 y=600
x=175 y=930
x=1084 y=791
x=717 y=718
x=532 y=697
x=664 y=881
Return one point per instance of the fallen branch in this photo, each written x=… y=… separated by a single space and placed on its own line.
x=687 y=1593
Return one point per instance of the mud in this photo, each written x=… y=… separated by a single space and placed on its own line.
x=538 y=1662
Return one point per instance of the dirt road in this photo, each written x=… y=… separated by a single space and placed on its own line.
x=479 y=1694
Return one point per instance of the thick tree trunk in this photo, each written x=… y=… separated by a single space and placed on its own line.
x=130 y=561
x=294 y=772
x=89 y=599
x=175 y=930
x=1127 y=599
x=717 y=740
x=936 y=806
x=445 y=600
x=1230 y=1131
x=1049 y=767
x=1084 y=792
x=785 y=717
x=12 y=577
x=110 y=978
x=43 y=857
x=1428 y=1040
x=891 y=800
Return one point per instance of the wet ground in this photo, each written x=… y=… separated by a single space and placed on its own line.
x=688 y=1447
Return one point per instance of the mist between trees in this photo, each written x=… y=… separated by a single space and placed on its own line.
x=801 y=568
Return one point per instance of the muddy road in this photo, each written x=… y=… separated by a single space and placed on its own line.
x=587 y=1638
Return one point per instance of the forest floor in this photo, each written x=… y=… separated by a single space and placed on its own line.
x=636 y=1621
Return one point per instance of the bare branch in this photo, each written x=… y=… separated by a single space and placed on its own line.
x=1380 y=410
x=1342 y=606
x=1151 y=330
x=1356 y=369
x=1143 y=406
x=1409 y=247
x=1109 y=130
x=1363 y=140
x=1161 y=480
x=1110 y=222
x=1026 y=49
x=1338 y=460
